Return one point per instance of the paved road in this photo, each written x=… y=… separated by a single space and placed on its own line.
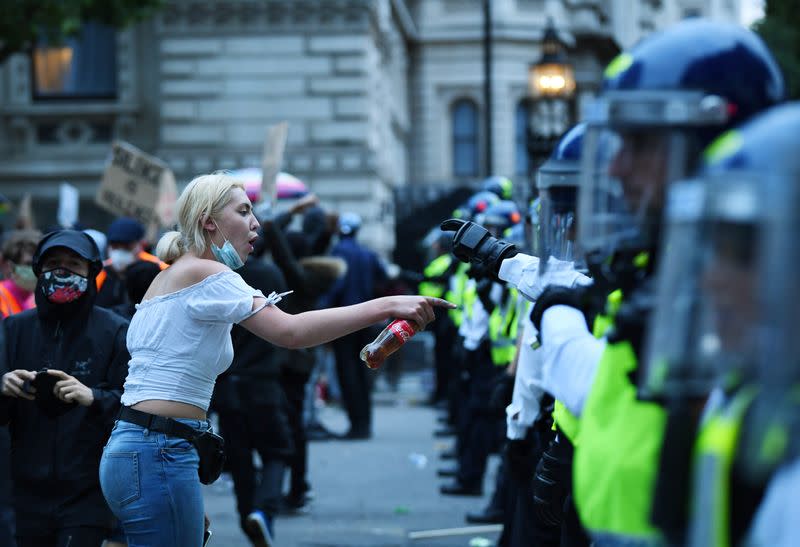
x=368 y=493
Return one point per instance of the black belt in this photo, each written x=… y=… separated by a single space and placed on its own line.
x=160 y=424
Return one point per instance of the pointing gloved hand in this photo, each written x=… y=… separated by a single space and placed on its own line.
x=474 y=244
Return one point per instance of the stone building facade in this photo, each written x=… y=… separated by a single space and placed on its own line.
x=368 y=88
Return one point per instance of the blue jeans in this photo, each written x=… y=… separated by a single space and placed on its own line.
x=150 y=482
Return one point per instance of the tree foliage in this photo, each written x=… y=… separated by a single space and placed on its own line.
x=24 y=22
x=780 y=29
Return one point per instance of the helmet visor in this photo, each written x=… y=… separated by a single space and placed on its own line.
x=636 y=144
x=707 y=319
x=533 y=239
x=558 y=230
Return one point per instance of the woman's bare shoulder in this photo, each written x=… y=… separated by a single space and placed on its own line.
x=195 y=270
x=184 y=272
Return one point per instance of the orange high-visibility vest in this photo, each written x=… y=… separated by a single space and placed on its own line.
x=147 y=257
x=8 y=304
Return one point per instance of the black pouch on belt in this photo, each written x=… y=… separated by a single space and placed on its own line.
x=211 y=449
x=210 y=446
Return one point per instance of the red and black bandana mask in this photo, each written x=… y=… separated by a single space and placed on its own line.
x=62 y=286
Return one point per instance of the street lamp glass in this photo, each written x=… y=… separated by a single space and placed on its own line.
x=551 y=80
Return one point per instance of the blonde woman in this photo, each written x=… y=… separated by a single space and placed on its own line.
x=179 y=341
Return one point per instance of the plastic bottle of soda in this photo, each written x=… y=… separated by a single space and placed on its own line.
x=388 y=341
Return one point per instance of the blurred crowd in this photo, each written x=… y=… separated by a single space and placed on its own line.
x=66 y=298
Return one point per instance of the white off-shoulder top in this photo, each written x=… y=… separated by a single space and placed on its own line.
x=180 y=342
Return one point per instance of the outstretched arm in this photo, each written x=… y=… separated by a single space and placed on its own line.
x=317 y=327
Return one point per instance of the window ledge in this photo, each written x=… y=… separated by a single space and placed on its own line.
x=65 y=108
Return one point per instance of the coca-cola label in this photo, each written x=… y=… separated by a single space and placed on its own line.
x=402 y=330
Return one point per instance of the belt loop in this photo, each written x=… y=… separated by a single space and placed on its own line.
x=148 y=426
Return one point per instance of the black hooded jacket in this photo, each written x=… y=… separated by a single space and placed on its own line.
x=253 y=377
x=56 y=456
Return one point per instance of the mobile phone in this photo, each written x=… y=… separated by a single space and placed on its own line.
x=206 y=537
x=44 y=383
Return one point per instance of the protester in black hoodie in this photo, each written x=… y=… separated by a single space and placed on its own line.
x=310 y=277
x=60 y=419
x=252 y=410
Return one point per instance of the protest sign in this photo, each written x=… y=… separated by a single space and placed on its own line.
x=138 y=185
x=272 y=160
x=68 y=205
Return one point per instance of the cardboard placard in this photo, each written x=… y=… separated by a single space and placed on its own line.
x=68 y=205
x=138 y=185
x=272 y=160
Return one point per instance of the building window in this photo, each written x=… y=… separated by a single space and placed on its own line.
x=465 y=138
x=521 y=120
x=83 y=67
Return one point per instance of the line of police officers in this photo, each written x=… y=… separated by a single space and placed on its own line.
x=657 y=310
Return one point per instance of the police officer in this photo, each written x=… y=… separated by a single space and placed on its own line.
x=488 y=329
x=538 y=517
x=436 y=277
x=721 y=315
x=663 y=101
x=502 y=187
x=365 y=273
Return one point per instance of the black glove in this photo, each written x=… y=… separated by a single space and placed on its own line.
x=477 y=272
x=521 y=459
x=554 y=295
x=474 y=244
x=553 y=481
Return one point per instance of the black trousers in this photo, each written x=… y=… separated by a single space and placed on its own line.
x=66 y=537
x=6 y=509
x=263 y=428
x=522 y=526
x=355 y=381
x=444 y=333
x=481 y=430
x=294 y=385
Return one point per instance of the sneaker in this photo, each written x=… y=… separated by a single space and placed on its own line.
x=295 y=505
x=259 y=527
x=318 y=432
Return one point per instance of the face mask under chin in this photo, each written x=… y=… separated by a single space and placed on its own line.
x=226 y=254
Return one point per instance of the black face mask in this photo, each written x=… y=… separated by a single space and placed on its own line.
x=64 y=294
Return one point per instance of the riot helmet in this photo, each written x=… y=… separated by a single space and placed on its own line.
x=502 y=187
x=500 y=218
x=662 y=102
x=720 y=293
x=476 y=204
